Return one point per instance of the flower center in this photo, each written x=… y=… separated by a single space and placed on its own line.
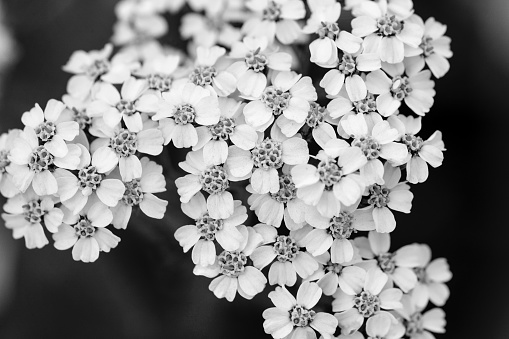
x=330 y=173
x=84 y=228
x=231 y=264
x=208 y=227
x=367 y=304
x=89 y=178
x=214 y=180
x=98 y=68
x=223 y=129
x=33 y=212
x=81 y=117
x=301 y=316
x=329 y=30
x=366 y=105
x=4 y=160
x=40 y=160
x=256 y=61
x=386 y=262
x=184 y=114
x=125 y=143
x=401 y=88
x=276 y=100
x=272 y=12
x=126 y=107
x=46 y=131
x=160 y=82
x=340 y=226
x=347 y=65
x=286 y=248
x=202 y=75
x=414 y=325
x=133 y=194
x=287 y=191
x=427 y=46
x=413 y=143
x=332 y=267
x=369 y=146
x=316 y=115
x=378 y=196
x=389 y=26
x=268 y=154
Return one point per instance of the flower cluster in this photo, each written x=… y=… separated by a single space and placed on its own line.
x=322 y=168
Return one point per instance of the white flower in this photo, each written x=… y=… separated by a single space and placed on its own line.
x=284 y=255
x=207 y=33
x=231 y=127
x=92 y=180
x=392 y=195
x=235 y=275
x=207 y=75
x=431 y=276
x=275 y=18
x=416 y=89
x=49 y=131
x=332 y=182
x=420 y=324
x=267 y=157
x=375 y=143
x=7 y=188
x=160 y=71
x=348 y=73
x=334 y=233
x=420 y=152
x=257 y=56
x=206 y=229
x=330 y=276
x=89 y=67
x=213 y=179
x=372 y=297
x=86 y=233
x=386 y=32
x=289 y=95
x=295 y=317
x=187 y=104
x=119 y=146
x=273 y=208
x=433 y=51
x=27 y=213
x=399 y=265
x=32 y=164
x=125 y=106
x=139 y=192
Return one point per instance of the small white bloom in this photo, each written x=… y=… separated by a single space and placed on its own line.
x=86 y=233
x=200 y=236
x=294 y=317
x=7 y=187
x=235 y=275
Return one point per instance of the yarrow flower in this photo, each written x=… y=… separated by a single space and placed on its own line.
x=26 y=215
x=294 y=317
x=200 y=236
x=185 y=105
x=275 y=18
x=7 y=188
x=232 y=272
x=212 y=179
x=289 y=95
x=86 y=233
x=284 y=255
x=266 y=158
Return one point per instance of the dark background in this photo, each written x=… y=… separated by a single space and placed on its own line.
x=145 y=287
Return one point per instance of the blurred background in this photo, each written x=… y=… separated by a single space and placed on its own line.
x=145 y=287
